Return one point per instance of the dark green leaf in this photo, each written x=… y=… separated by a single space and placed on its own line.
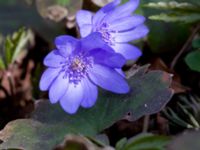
x=120 y=144
x=149 y=93
x=193 y=60
x=146 y=141
x=196 y=43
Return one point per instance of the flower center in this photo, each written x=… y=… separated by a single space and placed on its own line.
x=77 y=67
x=106 y=33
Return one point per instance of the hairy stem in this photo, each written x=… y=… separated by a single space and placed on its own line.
x=146 y=123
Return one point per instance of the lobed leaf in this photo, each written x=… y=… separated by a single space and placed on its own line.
x=149 y=94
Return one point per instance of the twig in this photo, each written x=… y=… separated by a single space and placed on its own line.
x=5 y=91
x=146 y=123
x=185 y=46
x=1 y=87
x=11 y=82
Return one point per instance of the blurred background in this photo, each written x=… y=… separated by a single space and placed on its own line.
x=27 y=32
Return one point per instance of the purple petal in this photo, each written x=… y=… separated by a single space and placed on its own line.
x=110 y=6
x=47 y=78
x=108 y=79
x=84 y=21
x=53 y=59
x=120 y=71
x=134 y=34
x=58 y=88
x=126 y=23
x=90 y=94
x=66 y=44
x=94 y=41
x=107 y=58
x=71 y=100
x=127 y=50
x=85 y=30
x=99 y=16
x=122 y=11
x=83 y=17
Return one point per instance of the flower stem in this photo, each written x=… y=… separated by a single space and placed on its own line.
x=185 y=46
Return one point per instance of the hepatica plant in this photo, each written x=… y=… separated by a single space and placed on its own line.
x=77 y=66
x=76 y=69
x=117 y=26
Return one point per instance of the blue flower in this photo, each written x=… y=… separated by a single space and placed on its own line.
x=75 y=69
x=117 y=25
